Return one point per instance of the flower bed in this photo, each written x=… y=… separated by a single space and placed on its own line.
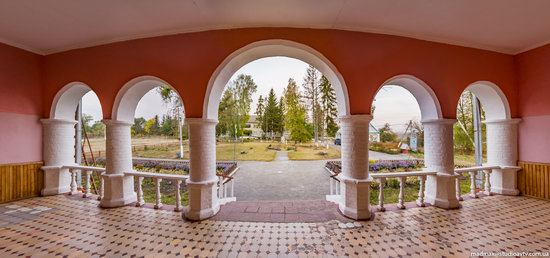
x=381 y=165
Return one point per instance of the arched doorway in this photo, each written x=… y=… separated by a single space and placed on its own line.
x=63 y=137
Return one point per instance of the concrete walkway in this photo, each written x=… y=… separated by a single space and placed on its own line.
x=281 y=179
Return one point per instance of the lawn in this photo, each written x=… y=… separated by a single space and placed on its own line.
x=245 y=151
x=460 y=159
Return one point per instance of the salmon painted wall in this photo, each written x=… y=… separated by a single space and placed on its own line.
x=20 y=105
x=365 y=60
x=533 y=83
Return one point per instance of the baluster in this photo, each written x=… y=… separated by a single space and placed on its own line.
x=233 y=187
x=473 y=193
x=178 y=195
x=158 y=203
x=88 y=184
x=140 y=201
x=487 y=182
x=73 y=181
x=219 y=187
x=420 y=201
x=331 y=183
x=401 y=204
x=381 y=183
x=101 y=186
x=458 y=190
x=225 y=190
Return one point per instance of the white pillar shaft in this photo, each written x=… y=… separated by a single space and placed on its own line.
x=202 y=182
x=354 y=179
x=58 y=146
x=439 y=157
x=502 y=150
x=119 y=147
x=118 y=188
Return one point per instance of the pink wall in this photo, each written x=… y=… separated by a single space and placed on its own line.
x=20 y=105
x=365 y=60
x=533 y=83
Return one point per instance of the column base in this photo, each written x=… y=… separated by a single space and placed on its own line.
x=203 y=200
x=354 y=199
x=118 y=191
x=504 y=181
x=441 y=191
x=57 y=180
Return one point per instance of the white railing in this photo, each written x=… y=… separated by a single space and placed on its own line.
x=401 y=176
x=158 y=178
x=226 y=185
x=86 y=172
x=472 y=173
x=334 y=183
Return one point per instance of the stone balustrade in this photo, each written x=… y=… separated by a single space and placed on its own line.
x=401 y=176
x=471 y=174
x=158 y=178
x=86 y=172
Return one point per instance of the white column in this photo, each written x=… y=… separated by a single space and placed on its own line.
x=118 y=189
x=439 y=157
x=58 y=147
x=502 y=150
x=354 y=179
x=202 y=182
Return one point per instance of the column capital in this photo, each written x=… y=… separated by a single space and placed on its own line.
x=443 y=121
x=363 y=118
x=112 y=122
x=46 y=121
x=198 y=120
x=504 y=121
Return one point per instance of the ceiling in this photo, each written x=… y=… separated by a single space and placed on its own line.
x=50 y=26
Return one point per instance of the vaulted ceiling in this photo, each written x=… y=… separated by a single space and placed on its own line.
x=49 y=26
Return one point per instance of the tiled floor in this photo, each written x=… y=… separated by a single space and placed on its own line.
x=76 y=227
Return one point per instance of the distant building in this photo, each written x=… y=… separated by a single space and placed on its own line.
x=374 y=134
x=252 y=127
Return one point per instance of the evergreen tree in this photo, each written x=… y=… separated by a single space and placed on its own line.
x=260 y=109
x=295 y=114
x=329 y=106
x=281 y=109
x=311 y=94
x=272 y=119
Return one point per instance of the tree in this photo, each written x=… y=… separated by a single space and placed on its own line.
x=281 y=109
x=311 y=94
x=272 y=121
x=329 y=106
x=171 y=97
x=387 y=134
x=463 y=130
x=295 y=114
x=260 y=109
x=151 y=126
x=237 y=98
x=86 y=120
x=96 y=130
x=137 y=128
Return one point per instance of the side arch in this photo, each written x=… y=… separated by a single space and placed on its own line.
x=271 y=48
x=492 y=99
x=430 y=109
x=66 y=100
x=132 y=92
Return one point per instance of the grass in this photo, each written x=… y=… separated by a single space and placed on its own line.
x=460 y=159
x=246 y=151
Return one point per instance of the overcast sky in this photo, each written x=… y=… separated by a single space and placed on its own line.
x=394 y=105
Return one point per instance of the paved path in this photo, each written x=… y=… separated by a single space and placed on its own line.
x=281 y=180
x=280 y=211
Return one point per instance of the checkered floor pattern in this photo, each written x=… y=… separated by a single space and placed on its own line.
x=71 y=227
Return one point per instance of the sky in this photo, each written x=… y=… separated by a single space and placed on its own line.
x=394 y=105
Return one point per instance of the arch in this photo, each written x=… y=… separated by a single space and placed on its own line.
x=492 y=99
x=66 y=100
x=272 y=48
x=132 y=92
x=430 y=109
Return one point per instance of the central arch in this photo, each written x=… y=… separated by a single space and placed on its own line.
x=272 y=48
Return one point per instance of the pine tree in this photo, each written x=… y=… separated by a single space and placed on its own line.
x=329 y=106
x=272 y=118
x=311 y=94
x=260 y=110
x=281 y=109
x=295 y=114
